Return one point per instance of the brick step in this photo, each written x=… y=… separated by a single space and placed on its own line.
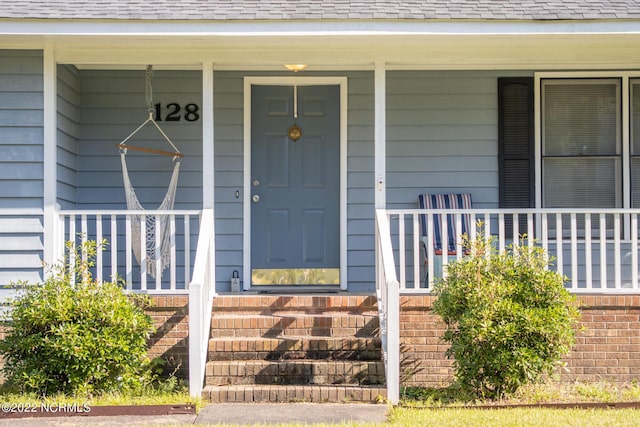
x=295 y=393
x=310 y=303
x=294 y=324
x=300 y=372
x=283 y=348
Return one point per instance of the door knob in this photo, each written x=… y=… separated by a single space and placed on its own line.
x=255 y=198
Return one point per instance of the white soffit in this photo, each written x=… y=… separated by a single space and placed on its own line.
x=333 y=45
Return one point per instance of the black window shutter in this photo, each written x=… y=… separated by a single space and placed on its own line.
x=516 y=145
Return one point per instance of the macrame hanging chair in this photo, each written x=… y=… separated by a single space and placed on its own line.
x=154 y=240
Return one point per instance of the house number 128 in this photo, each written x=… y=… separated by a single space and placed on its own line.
x=174 y=111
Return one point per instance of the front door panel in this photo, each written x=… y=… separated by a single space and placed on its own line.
x=295 y=186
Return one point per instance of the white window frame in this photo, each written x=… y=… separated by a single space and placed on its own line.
x=620 y=188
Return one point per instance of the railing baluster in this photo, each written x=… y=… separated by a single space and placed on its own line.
x=401 y=250
x=172 y=242
x=114 y=247
x=545 y=235
x=574 y=251
x=61 y=236
x=429 y=246
x=417 y=279
x=458 y=237
x=187 y=250
x=587 y=252
x=603 y=251
x=128 y=253
x=501 y=233
x=444 y=230
x=99 y=247
x=472 y=222
x=559 y=244
x=143 y=252
x=515 y=232
x=487 y=226
x=72 y=252
x=83 y=237
x=158 y=251
x=530 y=235
x=616 y=251
x=634 y=251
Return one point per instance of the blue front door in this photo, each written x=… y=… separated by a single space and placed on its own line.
x=295 y=185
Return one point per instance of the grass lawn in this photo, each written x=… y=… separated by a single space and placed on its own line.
x=513 y=417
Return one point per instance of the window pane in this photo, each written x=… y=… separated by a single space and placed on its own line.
x=581 y=183
x=635 y=182
x=635 y=118
x=581 y=119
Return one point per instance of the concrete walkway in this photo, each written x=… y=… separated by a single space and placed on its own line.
x=228 y=413
x=307 y=413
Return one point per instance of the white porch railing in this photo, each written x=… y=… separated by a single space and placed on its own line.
x=387 y=292
x=201 y=293
x=117 y=258
x=596 y=249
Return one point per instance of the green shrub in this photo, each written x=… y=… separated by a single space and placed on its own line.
x=79 y=338
x=509 y=320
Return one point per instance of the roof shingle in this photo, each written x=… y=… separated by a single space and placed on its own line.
x=320 y=9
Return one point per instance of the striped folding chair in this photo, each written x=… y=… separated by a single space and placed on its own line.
x=443 y=201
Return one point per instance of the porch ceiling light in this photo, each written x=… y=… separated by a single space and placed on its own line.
x=295 y=67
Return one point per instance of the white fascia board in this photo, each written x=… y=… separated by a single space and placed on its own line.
x=309 y=28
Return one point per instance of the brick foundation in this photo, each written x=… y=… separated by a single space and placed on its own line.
x=170 y=316
x=607 y=350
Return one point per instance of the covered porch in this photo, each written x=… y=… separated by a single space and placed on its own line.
x=423 y=117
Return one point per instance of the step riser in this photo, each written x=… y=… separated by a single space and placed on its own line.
x=267 y=326
x=275 y=303
x=293 y=344
x=294 y=380
x=281 y=394
x=295 y=349
x=274 y=333
x=297 y=355
x=294 y=372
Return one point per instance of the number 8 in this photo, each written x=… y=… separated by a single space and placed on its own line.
x=191 y=114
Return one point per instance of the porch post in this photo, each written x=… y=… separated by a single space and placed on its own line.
x=380 y=139
x=208 y=165
x=202 y=287
x=50 y=175
x=392 y=368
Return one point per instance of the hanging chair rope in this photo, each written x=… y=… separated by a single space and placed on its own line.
x=152 y=222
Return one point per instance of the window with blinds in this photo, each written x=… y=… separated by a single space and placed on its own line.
x=581 y=143
x=635 y=142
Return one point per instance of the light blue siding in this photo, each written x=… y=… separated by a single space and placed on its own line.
x=21 y=171
x=68 y=130
x=442 y=130
x=112 y=105
x=442 y=137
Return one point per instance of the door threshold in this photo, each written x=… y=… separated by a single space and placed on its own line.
x=285 y=290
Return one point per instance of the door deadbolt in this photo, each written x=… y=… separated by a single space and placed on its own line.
x=255 y=198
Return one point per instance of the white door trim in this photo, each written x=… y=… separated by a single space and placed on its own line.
x=299 y=81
